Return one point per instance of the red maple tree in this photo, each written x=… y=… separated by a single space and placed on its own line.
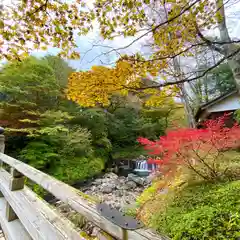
x=200 y=150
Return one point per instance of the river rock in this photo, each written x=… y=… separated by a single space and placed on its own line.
x=111 y=176
x=97 y=182
x=119 y=193
x=130 y=185
x=108 y=188
x=138 y=180
x=116 y=191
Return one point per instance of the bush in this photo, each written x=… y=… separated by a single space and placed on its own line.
x=205 y=211
x=198 y=150
x=40 y=155
x=77 y=169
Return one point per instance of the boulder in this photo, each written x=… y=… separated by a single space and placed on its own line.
x=131 y=185
x=119 y=193
x=138 y=180
x=97 y=181
x=108 y=188
x=111 y=175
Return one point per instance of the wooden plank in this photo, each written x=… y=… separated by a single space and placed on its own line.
x=71 y=196
x=12 y=230
x=39 y=220
x=53 y=217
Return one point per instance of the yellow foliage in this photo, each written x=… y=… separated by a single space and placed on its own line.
x=29 y=25
x=39 y=24
x=100 y=83
x=95 y=87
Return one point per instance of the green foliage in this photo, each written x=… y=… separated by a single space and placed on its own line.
x=237 y=115
x=123 y=124
x=59 y=137
x=28 y=87
x=78 y=168
x=95 y=120
x=217 y=82
x=224 y=78
x=60 y=68
x=128 y=152
x=58 y=149
x=29 y=83
x=204 y=211
x=40 y=155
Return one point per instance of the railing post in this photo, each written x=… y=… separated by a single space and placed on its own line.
x=16 y=183
x=2 y=147
x=2 y=140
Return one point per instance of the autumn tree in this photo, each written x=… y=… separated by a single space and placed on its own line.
x=173 y=30
x=199 y=150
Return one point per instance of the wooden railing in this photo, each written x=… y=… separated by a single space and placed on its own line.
x=23 y=215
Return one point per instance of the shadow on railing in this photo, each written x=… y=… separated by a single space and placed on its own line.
x=23 y=215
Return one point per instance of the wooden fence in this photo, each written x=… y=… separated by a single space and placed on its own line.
x=23 y=215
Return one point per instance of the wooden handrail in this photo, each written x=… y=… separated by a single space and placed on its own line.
x=66 y=194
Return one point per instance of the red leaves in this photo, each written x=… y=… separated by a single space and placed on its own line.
x=192 y=146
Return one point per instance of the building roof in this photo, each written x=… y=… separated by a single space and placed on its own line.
x=213 y=102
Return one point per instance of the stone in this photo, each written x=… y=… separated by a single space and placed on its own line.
x=119 y=193
x=97 y=182
x=138 y=180
x=111 y=176
x=94 y=188
x=131 y=185
x=108 y=188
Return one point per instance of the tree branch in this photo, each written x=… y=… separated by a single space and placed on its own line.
x=194 y=78
x=208 y=42
x=157 y=26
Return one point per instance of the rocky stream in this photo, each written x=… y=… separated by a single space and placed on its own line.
x=118 y=191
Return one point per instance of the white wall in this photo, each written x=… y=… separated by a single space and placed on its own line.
x=230 y=103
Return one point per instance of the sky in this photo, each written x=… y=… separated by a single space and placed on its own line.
x=92 y=48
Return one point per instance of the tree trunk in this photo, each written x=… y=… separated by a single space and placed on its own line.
x=184 y=96
x=228 y=49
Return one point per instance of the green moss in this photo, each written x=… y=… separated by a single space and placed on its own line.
x=89 y=198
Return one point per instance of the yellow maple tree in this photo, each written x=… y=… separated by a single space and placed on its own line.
x=97 y=85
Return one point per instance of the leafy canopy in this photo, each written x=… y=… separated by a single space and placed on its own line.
x=171 y=26
x=29 y=25
x=172 y=29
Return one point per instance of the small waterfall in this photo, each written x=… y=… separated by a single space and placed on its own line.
x=143 y=167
